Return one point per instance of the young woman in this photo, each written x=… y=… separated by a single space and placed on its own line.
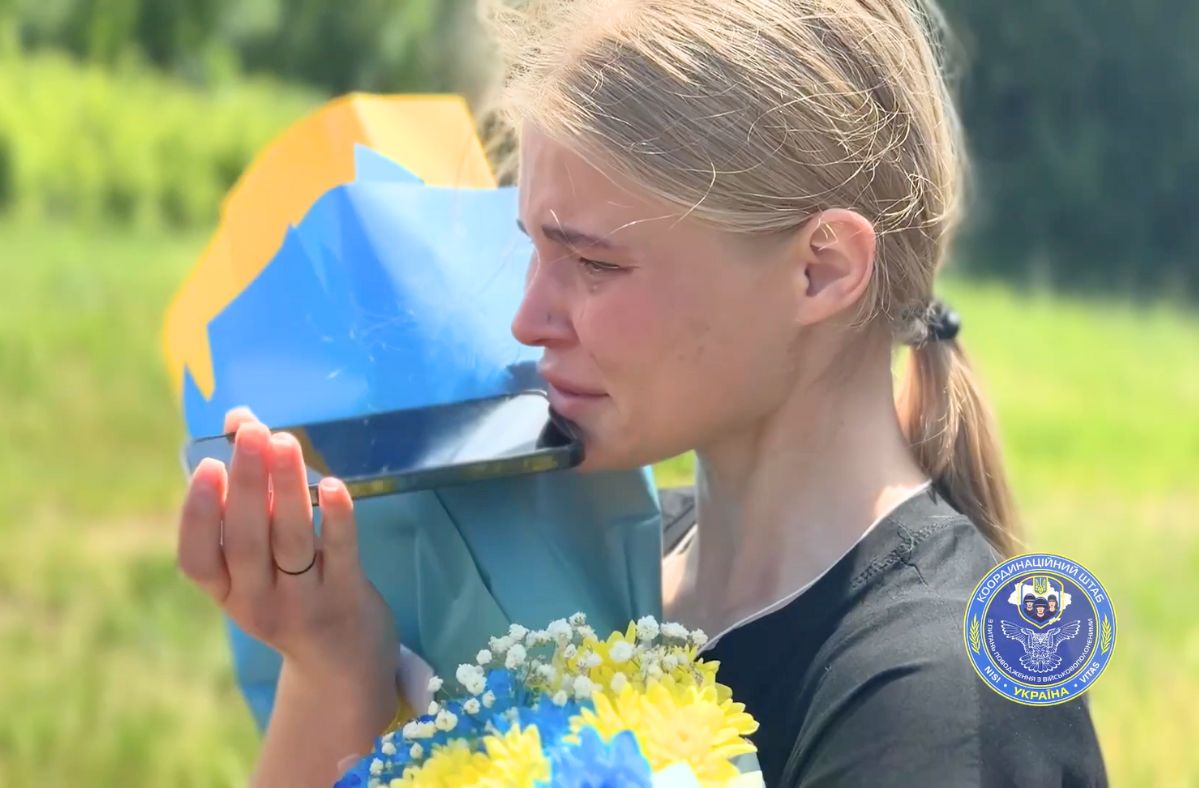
x=738 y=208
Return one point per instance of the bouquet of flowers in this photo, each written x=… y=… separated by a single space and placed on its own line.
x=561 y=707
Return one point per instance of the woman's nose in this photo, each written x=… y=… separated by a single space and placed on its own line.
x=543 y=317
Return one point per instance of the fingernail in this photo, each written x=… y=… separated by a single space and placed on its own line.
x=249 y=439
x=203 y=474
x=330 y=485
x=204 y=485
x=283 y=440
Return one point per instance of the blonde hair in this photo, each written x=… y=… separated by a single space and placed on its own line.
x=754 y=115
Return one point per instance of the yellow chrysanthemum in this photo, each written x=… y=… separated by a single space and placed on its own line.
x=687 y=668
x=451 y=765
x=601 y=675
x=515 y=759
x=677 y=722
x=706 y=672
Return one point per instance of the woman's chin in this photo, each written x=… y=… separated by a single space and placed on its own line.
x=599 y=462
x=598 y=458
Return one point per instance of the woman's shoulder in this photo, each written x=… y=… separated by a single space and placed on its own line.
x=941 y=546
x=904 y=701
x=907 y=594
x=895 y=671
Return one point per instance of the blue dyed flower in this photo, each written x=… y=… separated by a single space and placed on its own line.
x=552 y=721
x=354 y=778
x=507 y=690
x=387 y=758
x=592 y=763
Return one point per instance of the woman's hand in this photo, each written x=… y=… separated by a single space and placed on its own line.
x=307 y=598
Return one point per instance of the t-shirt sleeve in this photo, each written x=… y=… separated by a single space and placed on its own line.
x=905 y=708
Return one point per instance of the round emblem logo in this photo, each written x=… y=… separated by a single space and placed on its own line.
x=1039 y=629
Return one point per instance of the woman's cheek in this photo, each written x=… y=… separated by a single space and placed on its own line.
x=618 y=328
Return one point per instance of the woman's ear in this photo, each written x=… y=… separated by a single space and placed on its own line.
x=834 y=258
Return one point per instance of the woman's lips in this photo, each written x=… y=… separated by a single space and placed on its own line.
x=569 y=402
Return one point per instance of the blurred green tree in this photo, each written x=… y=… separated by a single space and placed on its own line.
x=358 y=45
x=376 y=45
x=1083 y=120
x=1082 y=115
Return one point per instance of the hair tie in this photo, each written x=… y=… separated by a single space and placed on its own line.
x=939 y=322
x=943 y=322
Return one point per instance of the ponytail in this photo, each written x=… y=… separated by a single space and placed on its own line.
x=953 y=436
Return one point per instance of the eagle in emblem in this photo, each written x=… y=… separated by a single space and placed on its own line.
x=1040 y=648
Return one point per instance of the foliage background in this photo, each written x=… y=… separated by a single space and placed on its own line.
x=1083 y=115
x=122 y=122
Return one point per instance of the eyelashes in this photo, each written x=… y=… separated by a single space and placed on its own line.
x=597 y=267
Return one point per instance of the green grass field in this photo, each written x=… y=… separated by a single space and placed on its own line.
x=114 y=671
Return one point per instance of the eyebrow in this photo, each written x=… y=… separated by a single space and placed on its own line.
x=570 y=237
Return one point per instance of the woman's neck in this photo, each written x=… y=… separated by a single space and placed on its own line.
x=780 y=502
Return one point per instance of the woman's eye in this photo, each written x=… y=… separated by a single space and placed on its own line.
x=596 y=267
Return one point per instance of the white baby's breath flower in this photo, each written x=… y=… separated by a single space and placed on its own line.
x=578 y=619
x=376 y=767
x=435 y=684
x=468 y=674
x=422 y=730
x=583 y=687
x=570 y=651
x=517 y=632
x=536 y=637
x=559 y=631
x=547 y=672
x=483 y=657
x=476 y=686
x=592 y=660
x=516 y=657
x=446 y=720
x=416 y=751
x=434 y=707
x=409 y=729
x=585 y=632
x=488 y=699
x=471 y=706
x=653 y=671
x=559 y=698
x=698 y=637
x=621 y=651
x=619 y=680
x=388 y=748
x=675 y=630
x=647 y=628
x=670 y=662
